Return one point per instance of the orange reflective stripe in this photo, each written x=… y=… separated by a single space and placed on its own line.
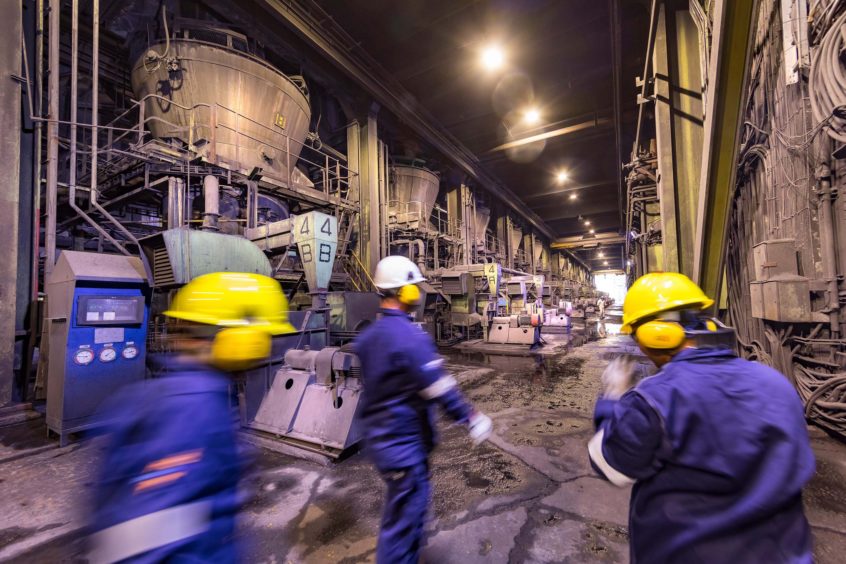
x=158 y=481
x=174 y=461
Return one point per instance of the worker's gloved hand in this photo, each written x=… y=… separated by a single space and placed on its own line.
x=480 y=427
x=618 y=378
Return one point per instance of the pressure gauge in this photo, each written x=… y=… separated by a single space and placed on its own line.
x=108 y=354
x=83 y=356
x=130 y=352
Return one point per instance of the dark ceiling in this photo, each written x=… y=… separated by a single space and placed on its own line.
x=559 y=59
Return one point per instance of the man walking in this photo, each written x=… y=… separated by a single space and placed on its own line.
x=403 y=380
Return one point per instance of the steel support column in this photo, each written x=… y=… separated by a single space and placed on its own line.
x=369 y=195
x=678 y=125
x=10 y=187
x=733 y=34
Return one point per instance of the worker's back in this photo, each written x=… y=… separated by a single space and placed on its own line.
x=731 y=462
x=169 y=480
x=398 y=422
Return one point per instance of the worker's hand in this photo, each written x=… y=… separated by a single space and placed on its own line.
x=618 y=378
x=480 y=427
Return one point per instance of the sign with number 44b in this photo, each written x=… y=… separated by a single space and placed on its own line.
x=316 y=236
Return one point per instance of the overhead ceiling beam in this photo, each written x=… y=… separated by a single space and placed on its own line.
x=595 y=122
x=321 y=31
x=582 y=243
x=728 y=76
x=567 y=189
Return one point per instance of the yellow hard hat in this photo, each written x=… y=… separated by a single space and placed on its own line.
x=233 y=299
x=658 y=292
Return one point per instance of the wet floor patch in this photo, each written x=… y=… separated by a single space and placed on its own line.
x=463 y=475
x=537 y=383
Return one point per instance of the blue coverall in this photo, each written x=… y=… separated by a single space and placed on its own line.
x=168 y=486
x=717 y=448
x=403 y=379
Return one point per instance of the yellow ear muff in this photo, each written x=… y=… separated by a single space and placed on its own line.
x=711 y=326
x=409 y=295
x=661 y=335
x=240 y=348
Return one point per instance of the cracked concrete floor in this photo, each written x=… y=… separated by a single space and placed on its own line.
x=529 y=496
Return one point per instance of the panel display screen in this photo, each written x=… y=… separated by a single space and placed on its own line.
x=110 y=310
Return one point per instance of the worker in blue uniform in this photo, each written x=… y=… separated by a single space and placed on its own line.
x=169 y=478
x=403 y=380
x=716 y=447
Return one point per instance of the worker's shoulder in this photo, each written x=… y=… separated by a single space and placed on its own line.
x=389 y=328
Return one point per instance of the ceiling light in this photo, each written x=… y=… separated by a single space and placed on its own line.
x=605 y=263
x=562 y=177
x=587 y=222
x=493 y=57
x=601 y=255
x=592 y=231
x=573 y=196
x=531 y=117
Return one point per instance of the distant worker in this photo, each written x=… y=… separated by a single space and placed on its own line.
x=168 y=489
x=403 y=379
x=600 y=307
x=716 y=446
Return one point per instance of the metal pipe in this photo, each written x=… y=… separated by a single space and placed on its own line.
x=827 y=247
x=52 y=138
x=646 y=61
x=211 y=199
x=74 y=99
x=36 y=177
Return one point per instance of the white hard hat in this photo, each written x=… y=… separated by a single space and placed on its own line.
x=395 y=272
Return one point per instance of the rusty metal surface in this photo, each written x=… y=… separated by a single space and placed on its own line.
x=262 y=119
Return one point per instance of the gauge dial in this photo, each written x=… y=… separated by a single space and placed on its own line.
x=108 y=354
x=83 y=356
x=130 y=352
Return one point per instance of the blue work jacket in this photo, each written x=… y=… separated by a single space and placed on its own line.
x=718 y=450
x=403 y=378
x=168 y=485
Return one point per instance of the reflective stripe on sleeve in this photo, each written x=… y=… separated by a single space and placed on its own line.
x=437 y=363
x=441 y=386
x=595 y=451
x=149 y=532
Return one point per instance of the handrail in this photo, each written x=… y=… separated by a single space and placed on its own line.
x=362 y=268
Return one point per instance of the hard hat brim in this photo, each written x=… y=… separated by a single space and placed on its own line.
x=394 y=286
x=283 y=328
x=628 y=327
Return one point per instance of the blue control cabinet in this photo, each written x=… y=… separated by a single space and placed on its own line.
x=97 y=312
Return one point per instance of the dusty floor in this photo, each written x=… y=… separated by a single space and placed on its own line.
x=530 y=496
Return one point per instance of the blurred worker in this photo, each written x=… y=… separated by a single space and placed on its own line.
x=403 y=379
x=600 y=307
x=716 y=446
x=168 y=489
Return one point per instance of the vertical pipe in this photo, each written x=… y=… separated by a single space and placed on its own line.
x=36 y=192
x=52 y=138
x=211 y=197
x=95 y=95
x=827 y=247
x=74 y=99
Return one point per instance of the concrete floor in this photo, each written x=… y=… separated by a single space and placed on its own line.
x=530 y=496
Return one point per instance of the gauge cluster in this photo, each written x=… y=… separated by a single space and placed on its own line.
x=85 y=355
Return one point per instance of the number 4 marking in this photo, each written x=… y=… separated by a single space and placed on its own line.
x=304 y=228
x=326 y=227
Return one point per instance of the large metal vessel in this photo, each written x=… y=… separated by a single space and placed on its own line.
x=228 y=106
x=412 y=194
x=480 y=225
x=516 y=237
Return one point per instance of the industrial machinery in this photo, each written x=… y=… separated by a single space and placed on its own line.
x=96 y=322
x=311 y=402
